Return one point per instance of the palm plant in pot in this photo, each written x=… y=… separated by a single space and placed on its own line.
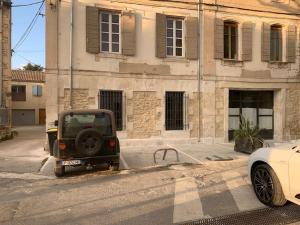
x=247 y=138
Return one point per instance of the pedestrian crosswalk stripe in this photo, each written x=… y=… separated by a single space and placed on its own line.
x=241 y=191
x=187 y=204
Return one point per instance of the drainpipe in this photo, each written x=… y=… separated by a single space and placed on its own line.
x=71 y=54
x=200 y=20
x=57 y=51
x=1 y=61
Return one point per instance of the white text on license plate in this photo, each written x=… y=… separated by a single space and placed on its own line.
x=71 y=163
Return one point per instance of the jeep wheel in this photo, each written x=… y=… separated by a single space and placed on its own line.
x=59 y=171
x=88 y=142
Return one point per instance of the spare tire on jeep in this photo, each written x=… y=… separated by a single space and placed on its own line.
x=89 y=142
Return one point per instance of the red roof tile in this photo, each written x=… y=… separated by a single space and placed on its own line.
x=28 y=76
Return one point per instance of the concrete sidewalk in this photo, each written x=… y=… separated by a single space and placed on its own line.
x=197 y=153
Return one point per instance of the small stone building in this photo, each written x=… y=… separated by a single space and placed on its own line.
x=177 y=69
x=28 y=98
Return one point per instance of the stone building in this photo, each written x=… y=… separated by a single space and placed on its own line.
x=149 y=61
x=5 y=62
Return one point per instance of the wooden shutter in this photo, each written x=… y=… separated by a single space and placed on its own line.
x=128 y=34
x=192 y=27
x=161 y=35
x=265 y=42
x=92 y=30
x=219 y=38
x=291 y=44
x=247 y=32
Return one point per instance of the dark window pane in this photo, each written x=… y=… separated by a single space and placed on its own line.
x=105 y=37
x=174 y=111
x=104 y=47
x=115 y=38
x=233 y=31
x=170 y=42
x=115 y=18
x=170 y=33
x=233 y=47
x=104 y=17
x=179 y=33
x=170 y=51
x=115 y=28
x=104 y=27
x=178 y=24
x=178 y=51
x=226 y=47
x=226 y=29
x=113 y=100
x=178 y=42
x=169 y=23
x=115 y=47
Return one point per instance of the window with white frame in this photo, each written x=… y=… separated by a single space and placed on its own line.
x=37 y=90
x=110 y=32
x=174 y=37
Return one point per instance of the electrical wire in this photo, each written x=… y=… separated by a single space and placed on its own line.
x=28 y=29
x=30 y=4
x=17 y=54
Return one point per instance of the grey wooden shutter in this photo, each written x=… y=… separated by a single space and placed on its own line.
x=247 y=32
x=128 y=34
x=265 y=42
x=192 y=27
x=219 y=38
x=92 y=30
x=161 y=38
x=291 y=44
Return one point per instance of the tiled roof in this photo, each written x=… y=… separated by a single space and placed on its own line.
x=28 y=76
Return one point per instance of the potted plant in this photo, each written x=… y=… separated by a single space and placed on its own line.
x=247 y=138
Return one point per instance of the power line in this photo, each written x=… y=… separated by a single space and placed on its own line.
x=29 y=28
x=30 y=4
x=17 y=54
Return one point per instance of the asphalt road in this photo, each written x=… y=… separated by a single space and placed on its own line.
x=197 y=188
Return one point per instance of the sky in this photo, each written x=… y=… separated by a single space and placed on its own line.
x=33 y=48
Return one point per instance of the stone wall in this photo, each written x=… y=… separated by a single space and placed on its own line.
x=6 y=56
x=193 y=115
x=144 y=115
x=80 y=99
x=292 y=123
x=220 y=112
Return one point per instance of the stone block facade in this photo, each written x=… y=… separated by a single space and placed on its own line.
x=292 y=126
x=145 y=114
x=144 y=76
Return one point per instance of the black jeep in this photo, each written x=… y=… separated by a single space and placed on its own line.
x=86 y=138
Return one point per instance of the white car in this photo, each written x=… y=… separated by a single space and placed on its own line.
x=275 y=174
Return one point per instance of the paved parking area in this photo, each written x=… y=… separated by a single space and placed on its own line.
x=25 y=152
x=142 y=156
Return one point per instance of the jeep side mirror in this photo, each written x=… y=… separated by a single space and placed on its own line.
x=56 y=123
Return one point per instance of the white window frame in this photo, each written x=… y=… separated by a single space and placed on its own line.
x=37 y=90
x=110 y=32
x=174 y=20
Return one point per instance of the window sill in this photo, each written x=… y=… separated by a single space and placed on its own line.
x=278 y=64
x=110 y=55
x=176 y=59
x=232 y=62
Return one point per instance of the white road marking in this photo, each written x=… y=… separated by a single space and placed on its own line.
x=126 y=167
x=241 y=191
x=23 y=176
x=187 y=204
x=183 y=153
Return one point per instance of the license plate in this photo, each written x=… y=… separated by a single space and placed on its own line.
x=71 y=163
